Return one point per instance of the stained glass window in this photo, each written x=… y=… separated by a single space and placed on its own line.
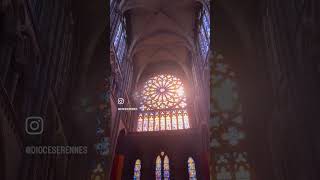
x=204 y=32
x=163 y=104
x=192 y=169
x=162 y=170
x=226 y=125
x=137 y=170
x=156 y=123
x=166 y=168
x=158 y=168
x=118 y=32
x=140 y=121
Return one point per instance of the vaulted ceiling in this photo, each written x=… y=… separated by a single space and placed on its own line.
x=160 y=32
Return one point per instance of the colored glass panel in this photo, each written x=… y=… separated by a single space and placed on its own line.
x=137 y=170
x=162 y=122
x=180 y=120
x=151 y=122
x=192 y=169
x=166 y=168
x=145 y=123
x=186 y=120
x=174 y=121
x=158 y=168
x=168 y=122
x=157 y=123
x=119 y=41
x=163 y=92
x=163 y=96
x=139 y=125
x=204 y=33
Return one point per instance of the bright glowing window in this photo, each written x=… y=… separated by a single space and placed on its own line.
x=162 y=170
x=137 y=170
x=192 y=169
x=204 y=32
x=166 y=168
x=158 y=168
x=118 y=35
x=163 y=104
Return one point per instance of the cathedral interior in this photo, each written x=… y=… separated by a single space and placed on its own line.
x=159 y=89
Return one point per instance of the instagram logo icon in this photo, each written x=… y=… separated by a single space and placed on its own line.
x=34 y=125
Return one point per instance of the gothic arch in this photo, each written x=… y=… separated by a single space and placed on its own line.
x=185 y=41
x=136 y=43
x=180 y=70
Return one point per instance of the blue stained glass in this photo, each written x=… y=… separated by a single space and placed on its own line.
x=204 y=45
x=118 y=36
x=103 y=146
x=206 y=24
x=119 y=42
x=204 y=34
x=119 y=49
x=165 y=174
x=192 y=169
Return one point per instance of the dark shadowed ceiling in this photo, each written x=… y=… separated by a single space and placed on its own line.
x=160 y=31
